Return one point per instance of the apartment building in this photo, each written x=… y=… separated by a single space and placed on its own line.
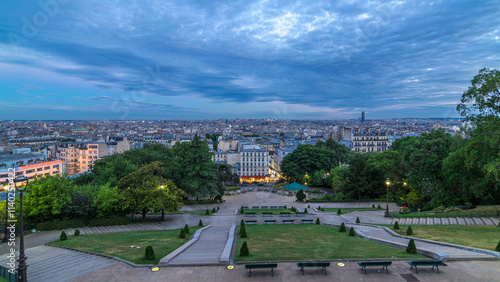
x=78 y=157
x=254 y=163
x=369 y=141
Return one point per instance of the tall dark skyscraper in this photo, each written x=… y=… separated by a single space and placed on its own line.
x=362 y=116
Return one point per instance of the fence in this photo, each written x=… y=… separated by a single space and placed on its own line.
x=492 y=213
x=11 y=277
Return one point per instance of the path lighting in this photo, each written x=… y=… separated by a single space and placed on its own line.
x=21 y=269
x=6 y=231
x=387 y=182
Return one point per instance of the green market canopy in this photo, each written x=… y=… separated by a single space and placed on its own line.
x=295 y=187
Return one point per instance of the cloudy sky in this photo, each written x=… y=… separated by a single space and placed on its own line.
x=187 y=59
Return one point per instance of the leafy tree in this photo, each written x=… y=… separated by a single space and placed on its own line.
x=109 y=201
x=307 y=159
x=300 y=195
x=362 y=180
x=482 y=99
x=337 y=179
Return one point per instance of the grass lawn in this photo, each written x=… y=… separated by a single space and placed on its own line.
x=310 y=241
x=489 y=210
x=483 y=237
x=124 y=244
x=274 y=211
x=344 y=211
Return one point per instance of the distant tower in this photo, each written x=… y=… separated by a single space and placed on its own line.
x=362 y=116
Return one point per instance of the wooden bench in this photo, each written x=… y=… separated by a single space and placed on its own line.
x=255 y=207
x=307 y=221
x=435 y=263
x=264 y=207
x=285 y=221
x=384 y=264
x=250 y=221
x=245 y=207
x=267 y=214
x=285 y=213
x=270 y=221
x=273 y=207
x=272 y=266
x=281 y=207
x=249 y=214
x=300 y=214
x=323 y=265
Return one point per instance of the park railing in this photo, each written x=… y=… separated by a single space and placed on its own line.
x=11 y=277
x=463 y=213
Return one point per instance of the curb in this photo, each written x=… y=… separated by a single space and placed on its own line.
x=229 y=244
x=164 y=261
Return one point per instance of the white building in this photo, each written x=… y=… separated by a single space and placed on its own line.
x=254 y=163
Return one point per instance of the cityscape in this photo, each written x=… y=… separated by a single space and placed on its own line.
x=256 y=140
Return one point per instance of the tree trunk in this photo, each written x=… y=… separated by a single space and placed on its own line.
x=144 y=215
x=162 y=215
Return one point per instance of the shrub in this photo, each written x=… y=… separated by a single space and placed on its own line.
x=77 y=232
x=285 y=207
x=207 y=212
x=319 y=208
x=300 y=195
x=373 y=206
x=200 y=223
x=498 y=247
x=308 y=206
x=411 y=249
x=244 y=250
x=63 y=236
x=305 y=210
x=242 y=211
x=409 y=231
x=183 y=234
x=218 y=208
x=150 y=253
x=342 y=228
x=214 y=210
x=351 y=232
x=243 y=233
x=396 y=225
x=339 y=212
x=186 y=229
x=357 y=220
x=317 y=221
x=378 y=206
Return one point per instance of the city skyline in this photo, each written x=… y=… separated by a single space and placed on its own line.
x=135 y=60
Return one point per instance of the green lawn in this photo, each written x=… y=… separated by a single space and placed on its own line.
x=310 y=241
x=124 y=244
x=344 y=211
x=479 y=211
x=483 y=237
x=274 y=211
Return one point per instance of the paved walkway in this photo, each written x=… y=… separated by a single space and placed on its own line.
x=447 y=221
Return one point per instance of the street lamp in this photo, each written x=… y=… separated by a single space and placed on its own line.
x=6 y=231
x=404 y=184
x=21 y=269
x=162 y=210
x=387 y=182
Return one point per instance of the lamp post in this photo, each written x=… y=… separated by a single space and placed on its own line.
x=387 y=182
x=21 y=269
x=6 y=231
x=404 y=184
x=162 y=210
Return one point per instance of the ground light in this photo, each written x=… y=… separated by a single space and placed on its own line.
x=230 y=267
x=154 y=269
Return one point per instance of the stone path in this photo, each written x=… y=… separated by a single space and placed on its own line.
x=206 y=250
x=117 y=228
x=437 y=250
x=447 y=221
x=53 y=264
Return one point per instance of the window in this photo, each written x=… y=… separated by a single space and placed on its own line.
x=55 y=166
x=30 y=171
x=46 y=168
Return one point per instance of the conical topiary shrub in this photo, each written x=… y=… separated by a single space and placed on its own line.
x=243 y=233
x=357 y=220
x=244 y=252
x=396 y=225
x=342 y=228
x=339 y=212
x=411 y=249
x=285 y=207
x=242 y=211
x=498 y=247
x=378 y=207
x=409 y=231
x=317 y=221
x=308 y=206
x=150 y=253
x=305 y=210
x=183 y=234
x=218 y=208
x=352 y=232
x=373 y=206
x=207 y=212
x=77 y=232
x=63 y=236
x=200 y=223
x=186 y=229
x=319 y=208
x=214 y=210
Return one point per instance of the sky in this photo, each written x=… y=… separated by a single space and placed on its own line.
x=281 y=59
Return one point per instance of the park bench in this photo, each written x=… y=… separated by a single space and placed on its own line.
x=323 y=265
x=274 y=207
x=287 y=221
x=270 y=221
x=307 y=221
x=435 y=263
x=272 y=266
x=300 y=214
x=264 y=207
x=249 y=214
x=384 y=264
x=255 y=207
x=245 y=207
x=281 y=207
x=284 y=214
x=250 y=221
x=267 y=214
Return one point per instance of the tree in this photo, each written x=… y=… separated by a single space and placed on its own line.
x=307 y=159
x=300 y=195
x=182 y=234
x=409 y=231
x=149 y=253
x=482 y=99
x=186 y=229
x=244 y=252
x=200 y=223
x=63 y=236
x=352 y=232
x=362 y=180
x=109 y=201
x=342 y=228
x=396 y=225
x=412 y=248
x=243 y=232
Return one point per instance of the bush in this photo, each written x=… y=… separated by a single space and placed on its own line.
x=373 y=206
x=357 y=220
x=183 y=234
x=319 y=208
x=411 y=249
x=498 y=247
x=60 y=224
x=106 y=221
x=207 y=212
x=150 y=253
x=218 y=208
x=214 y=210
x=285 y=209
x=77 y=232
x=409 y=231
x=186 y=229
x=378 y=206
x=317 y=221
x=305 y=210
x=396 y=225
x=242 y=211
x=300 y=195
x=308 y=206
x=63 y=236
x=352 y=232
x=244 y=252
x=342 y=228
x=339 y=212
x=200 y=223
x=243 y=233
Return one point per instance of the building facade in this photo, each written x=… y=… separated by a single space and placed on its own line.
x=369 y=141
x=254 y=164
